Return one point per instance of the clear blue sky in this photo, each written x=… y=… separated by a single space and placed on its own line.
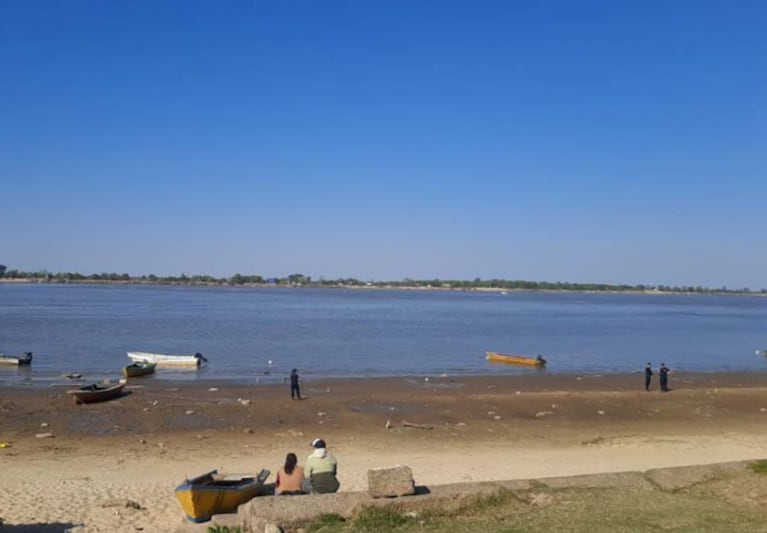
x=618 y=142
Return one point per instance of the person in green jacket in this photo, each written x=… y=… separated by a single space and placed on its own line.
x=320 y=469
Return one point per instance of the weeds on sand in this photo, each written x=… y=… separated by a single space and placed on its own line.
x=224 y=529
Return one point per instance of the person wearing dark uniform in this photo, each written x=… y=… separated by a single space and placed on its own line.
x=663 y=371
x=295 y=389
x=647 y=376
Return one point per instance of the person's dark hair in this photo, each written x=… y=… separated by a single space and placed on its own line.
x=290 y=463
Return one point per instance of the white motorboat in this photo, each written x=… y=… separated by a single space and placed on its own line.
x=168 y=360
x=7 y=359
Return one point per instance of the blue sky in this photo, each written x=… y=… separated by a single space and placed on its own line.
x=618 y=142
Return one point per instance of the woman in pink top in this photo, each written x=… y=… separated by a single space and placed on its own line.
x=290 y=476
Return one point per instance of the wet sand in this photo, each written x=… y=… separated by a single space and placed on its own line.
x=448 y=430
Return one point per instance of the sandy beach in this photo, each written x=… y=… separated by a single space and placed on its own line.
x=448 y=430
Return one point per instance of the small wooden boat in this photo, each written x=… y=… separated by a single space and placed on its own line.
x=516 y=359
x=7 y=359
x=97 y=393
x=139 y=368
x=214 y=493
x=168 y=360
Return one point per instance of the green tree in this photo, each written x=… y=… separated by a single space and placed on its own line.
x=298 y=278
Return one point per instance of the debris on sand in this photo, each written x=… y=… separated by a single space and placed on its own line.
x=407 y=424
x=122 y=503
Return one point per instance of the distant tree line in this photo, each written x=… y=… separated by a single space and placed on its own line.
x=300 y=280
x=526 y=285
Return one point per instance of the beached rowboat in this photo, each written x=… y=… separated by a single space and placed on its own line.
x=515 y=359
x=97 y=393
x=139 y=368
x=168 y=360
x=214 y=493
x=7 y=359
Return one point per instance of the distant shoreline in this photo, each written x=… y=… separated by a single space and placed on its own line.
x=375 y=286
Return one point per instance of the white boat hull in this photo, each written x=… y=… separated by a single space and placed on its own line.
x=17 y=360
x=167 y=360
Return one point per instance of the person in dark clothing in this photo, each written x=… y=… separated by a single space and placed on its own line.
x=295 y=389
x=663 y=371
x=647 y=376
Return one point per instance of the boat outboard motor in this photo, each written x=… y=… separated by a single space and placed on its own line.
x=201 y=357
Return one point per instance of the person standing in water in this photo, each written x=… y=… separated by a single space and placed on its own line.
x=295 y=388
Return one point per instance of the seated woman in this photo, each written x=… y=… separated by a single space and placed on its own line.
x=290 y=476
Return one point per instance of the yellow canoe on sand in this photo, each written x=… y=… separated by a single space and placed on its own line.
x=213 y=493
x=515 y=359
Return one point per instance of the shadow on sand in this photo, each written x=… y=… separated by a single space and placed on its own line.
x=56 y=527
x=268 y=489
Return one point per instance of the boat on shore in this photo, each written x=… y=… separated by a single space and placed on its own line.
x=8 y=359
x=168 y=360
x=139 y=368
x=97 y=393
x=511 y=359
x=213 y=493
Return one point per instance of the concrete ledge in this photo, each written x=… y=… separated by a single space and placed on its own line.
x=634 y=480
x=681 y=477
x=291 y=511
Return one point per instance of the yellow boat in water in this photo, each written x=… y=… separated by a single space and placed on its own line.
x=516 y=359
x=214 y=493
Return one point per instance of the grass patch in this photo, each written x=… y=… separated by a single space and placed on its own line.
x=377 y=519
x=759 y=467
x=487 y=503
x=329 y=521
x=498 y=503
x=731 y=503
x=577 y=510
x=224 y=529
